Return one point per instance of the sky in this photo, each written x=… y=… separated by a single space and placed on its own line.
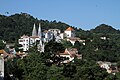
x=84 y=14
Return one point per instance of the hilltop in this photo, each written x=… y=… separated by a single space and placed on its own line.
x=103 y=28
x=14 y=26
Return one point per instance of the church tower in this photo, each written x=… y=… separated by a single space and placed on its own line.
x=34 y=33
x=40 y=34
x=41 y=43
x=39 y=31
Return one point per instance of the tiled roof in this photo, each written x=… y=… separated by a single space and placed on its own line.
x=34 y=37
x=24 y=36
x=1 y=51
x=69 y=51
x=74 y=38
x=69 y=29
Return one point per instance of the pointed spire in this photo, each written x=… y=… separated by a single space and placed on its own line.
x=34 y=33
x=39 y=31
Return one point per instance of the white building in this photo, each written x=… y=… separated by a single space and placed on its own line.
x=48 y=35
x=27 y=41
x=24 y=41
x=74 y=39
x=56 y=32
x=69 y=32
x=62 y=35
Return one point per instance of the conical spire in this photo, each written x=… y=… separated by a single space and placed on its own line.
x=39 y=31
x=34 y=33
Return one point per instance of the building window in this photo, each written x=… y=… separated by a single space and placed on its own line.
x=20 y=40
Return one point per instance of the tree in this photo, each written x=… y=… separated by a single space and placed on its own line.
x=2 y=45
x=14 y=26
x=18 y=47
x=79 y=46
x=53 y=47
x=69 y=70
x=12 y=68
x=67 y=44
x=89 y=70
x=105 y=29
x=34 y=68
x=55 y=73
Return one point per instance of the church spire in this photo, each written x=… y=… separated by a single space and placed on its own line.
x=39 y=31
x=34 y=33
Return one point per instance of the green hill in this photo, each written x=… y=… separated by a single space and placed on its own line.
x=105 y=29
x=12 y=27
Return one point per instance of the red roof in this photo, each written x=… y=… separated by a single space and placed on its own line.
x=34 y=36
x=69 y=29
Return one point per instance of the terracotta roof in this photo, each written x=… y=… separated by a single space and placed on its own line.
x=34 y=37
x=1 y=51
x=74 y=38
x=65 y=53
x=69 y=29
x=24 y=36
x=69 y=51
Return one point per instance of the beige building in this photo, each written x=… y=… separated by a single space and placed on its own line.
x=1 y=66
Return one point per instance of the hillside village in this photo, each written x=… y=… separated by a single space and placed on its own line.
x=66 y=55
x=41 y=38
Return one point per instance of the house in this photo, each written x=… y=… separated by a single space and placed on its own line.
x=110 y=67
x=48 y=35
x=70 y=54
x=24 y=41
x=105 y=65
x=74 y=39
x=69 y=32
x=104 y=37
x=56 y=32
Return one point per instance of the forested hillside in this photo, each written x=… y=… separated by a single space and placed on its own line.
x=14 y=26
x=105 y=29
x=39 y=66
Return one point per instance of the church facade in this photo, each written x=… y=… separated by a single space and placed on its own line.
x=28 y=41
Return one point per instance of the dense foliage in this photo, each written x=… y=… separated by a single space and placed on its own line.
x=103 y=28
x=37 y=66
x=14 y=26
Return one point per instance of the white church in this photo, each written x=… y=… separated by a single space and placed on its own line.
x=45 y=36
x=28 y=41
